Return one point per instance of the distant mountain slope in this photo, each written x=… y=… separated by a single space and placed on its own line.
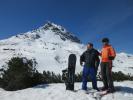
x=51 y=45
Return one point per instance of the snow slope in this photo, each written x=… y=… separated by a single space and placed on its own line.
x=58 y=92
x=51 y=45
x=124 y=63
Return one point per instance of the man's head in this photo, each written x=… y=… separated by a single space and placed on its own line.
x=89 y=45
x=105 y=41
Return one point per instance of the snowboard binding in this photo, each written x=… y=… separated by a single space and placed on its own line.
x=64 y=75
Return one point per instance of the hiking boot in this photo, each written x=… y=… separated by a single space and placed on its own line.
x=96 y=89
x=111 y=90
x=104 y=88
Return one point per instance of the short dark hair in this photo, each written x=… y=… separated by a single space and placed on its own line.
x=91 y=44
x=105 y=40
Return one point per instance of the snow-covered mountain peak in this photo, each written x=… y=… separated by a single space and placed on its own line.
x=48 y=32
x=60 y=31
x=50 y=26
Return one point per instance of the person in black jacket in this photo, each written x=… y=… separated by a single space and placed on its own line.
x=91 y=62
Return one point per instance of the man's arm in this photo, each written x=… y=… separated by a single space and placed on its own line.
x=82 y=58
x=97 y=60
x=97 y=63
x=112 y=53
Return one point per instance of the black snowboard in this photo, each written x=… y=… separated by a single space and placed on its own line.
x=70 y=77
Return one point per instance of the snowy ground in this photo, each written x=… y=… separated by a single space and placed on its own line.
x=58 y=92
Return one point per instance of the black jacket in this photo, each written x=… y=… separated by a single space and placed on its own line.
x=91 y=58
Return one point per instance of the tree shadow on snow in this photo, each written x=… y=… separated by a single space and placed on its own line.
x=41 y=86
x=124 y=89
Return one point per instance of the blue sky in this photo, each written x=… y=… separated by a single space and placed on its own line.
x=90 y=20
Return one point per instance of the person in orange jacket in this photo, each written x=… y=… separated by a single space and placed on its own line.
x=108 y=54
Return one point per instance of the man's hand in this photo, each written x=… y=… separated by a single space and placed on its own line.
x=111 y=58
x=81 y=63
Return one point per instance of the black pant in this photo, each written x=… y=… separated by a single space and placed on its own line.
x=107 y=75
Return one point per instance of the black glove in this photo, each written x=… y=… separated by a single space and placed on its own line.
x=81 y=63
x=111 y=58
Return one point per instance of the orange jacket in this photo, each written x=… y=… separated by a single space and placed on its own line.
x=107 y=51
